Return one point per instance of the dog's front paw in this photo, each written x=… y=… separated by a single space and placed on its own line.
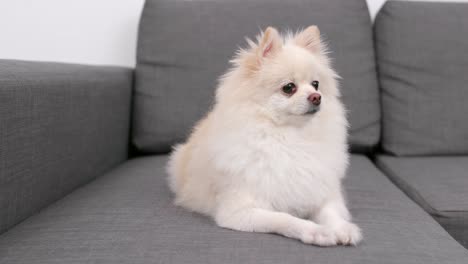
x=319 y=236
x=348 y=234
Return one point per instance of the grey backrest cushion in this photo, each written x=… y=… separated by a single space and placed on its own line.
x=184 y=46
x=422 y=50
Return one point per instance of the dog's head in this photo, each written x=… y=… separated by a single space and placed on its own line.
x=289 y=77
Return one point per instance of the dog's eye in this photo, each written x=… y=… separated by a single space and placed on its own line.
x=315 y=84
x=289 y=88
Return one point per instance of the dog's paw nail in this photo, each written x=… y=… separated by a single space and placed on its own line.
x=348 y=234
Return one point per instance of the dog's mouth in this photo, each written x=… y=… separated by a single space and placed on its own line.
x=312 y=110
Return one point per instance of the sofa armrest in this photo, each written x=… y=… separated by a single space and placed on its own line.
x=61 y=125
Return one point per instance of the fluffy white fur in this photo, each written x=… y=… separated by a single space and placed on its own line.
x=260 y=161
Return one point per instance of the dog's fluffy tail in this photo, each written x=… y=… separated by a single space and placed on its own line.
x=176 y=167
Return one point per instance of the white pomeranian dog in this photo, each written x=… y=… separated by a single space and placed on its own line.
x=272 y=153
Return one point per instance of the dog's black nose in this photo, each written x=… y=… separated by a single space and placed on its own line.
x=315 y=98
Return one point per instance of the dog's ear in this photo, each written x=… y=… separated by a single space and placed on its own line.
x=269 y=43
x=309 y=39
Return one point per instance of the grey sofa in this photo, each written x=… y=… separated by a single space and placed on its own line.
x=83 y=148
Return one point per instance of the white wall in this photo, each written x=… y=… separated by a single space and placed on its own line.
x=374 y=6
x=79 y=31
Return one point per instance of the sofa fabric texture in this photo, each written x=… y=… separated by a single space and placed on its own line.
x=437 y=184
x=127 y=216
x=60 y=126
x=421 y=49
x=184 y=46
x=456 y=223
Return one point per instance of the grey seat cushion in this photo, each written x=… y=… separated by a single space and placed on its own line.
x=438 y=184
x=184 y=46
x=421 y=49
x=127 y=216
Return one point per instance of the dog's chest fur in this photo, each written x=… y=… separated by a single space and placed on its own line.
x=285 y=169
